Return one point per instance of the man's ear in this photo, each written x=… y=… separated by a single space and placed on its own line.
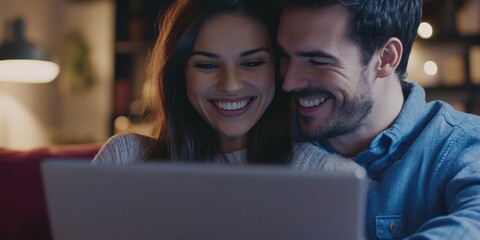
x=390 y=56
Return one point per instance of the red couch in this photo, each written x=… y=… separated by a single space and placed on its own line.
x=23 y=210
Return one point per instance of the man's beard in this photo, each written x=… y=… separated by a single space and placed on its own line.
x=344 y=119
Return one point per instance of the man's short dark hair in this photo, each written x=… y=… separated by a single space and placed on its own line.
x=374 y=22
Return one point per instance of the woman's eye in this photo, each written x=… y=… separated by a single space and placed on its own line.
x=253 y=63
x=206 y=66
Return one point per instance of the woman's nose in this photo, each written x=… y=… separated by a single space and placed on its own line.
x=230 y=80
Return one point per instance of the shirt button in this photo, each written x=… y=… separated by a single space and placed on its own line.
x=393 y=227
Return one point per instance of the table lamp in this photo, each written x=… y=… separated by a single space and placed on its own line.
x=22 y=62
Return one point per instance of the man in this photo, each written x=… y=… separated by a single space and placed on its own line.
x=344 y=62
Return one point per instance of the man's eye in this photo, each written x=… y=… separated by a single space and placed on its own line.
x=253 y=63
x=206 y=66
x=318 y=63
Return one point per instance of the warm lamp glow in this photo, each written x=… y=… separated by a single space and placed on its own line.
x=23 y=62
x=430 y=68
x=425 y=30
x=28 y=71
x=136 y=107
x=122 y=123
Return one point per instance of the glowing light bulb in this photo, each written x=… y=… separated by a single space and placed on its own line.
x=28 y=71
x=430 y=68
x=425 y=30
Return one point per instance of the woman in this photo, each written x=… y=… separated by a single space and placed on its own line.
x=216 y=97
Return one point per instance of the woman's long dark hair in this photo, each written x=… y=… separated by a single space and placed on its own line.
x=182 y=135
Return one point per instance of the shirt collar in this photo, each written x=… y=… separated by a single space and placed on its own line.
x=391 y=144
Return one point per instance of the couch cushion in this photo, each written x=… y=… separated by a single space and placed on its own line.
x=23 y=211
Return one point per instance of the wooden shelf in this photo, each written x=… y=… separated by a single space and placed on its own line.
x=452 y=39
x=133 y=47
x=449 y=44
x=135 y=33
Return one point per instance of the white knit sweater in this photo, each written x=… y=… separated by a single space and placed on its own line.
x=130 y=148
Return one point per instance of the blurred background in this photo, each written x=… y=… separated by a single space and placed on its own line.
x=446 y=56
x=101 y=47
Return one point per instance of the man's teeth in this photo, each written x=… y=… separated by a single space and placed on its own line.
x=232 y=106
x=313 y=102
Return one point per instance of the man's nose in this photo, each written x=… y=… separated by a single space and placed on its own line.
x=230 y=80
x=292 y=77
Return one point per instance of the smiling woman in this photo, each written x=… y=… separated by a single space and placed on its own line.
x=230 y=79
x=216 y=97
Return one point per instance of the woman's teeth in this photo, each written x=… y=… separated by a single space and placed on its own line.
x=232 y=106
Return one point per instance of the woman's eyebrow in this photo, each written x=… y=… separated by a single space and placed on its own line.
x=206 y=54
x=243 y=54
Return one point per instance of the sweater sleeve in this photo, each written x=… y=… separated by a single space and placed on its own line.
x=123 y=149
x=308 y=156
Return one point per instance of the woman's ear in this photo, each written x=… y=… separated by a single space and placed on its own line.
x=390 y=57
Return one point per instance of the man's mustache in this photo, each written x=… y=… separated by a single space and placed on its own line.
x=312 y=92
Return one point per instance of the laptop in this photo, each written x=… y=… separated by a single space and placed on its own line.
x=179 y=201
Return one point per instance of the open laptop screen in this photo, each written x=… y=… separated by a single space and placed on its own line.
x=172 y=201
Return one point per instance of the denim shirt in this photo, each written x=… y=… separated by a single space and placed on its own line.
x=425 y=173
